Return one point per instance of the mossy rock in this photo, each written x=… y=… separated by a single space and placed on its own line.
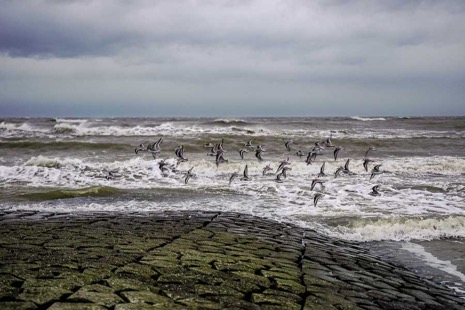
x=17 y=305
x=103 y=299
x=43 y=295
x=253 y=278
x=281 y=301
x=67 y=284
x=145 y=297
x=203 y=289
x=123 y=284
x=75 y=306
x=290 y=286
x=280 y=275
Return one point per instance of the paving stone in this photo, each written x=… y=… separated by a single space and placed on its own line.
x=17 y=305
x=43 y=295
x=103 y=299
x=145 y=297
x=75 y=306
x=196 y=260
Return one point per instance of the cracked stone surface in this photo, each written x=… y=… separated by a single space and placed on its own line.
x=195 y=260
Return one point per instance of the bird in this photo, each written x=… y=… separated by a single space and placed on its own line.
x=337 y=149
x=110 y=176
x=366 y=161
x=328 y=142
x=288 y=144
x=322 y=171
x=338 y=171
x=246 y=174
x=249 y=144
x=266 y=169
x=209 y=145
x=311 y=157
x=179 y=152
x=241 y=153
x=232 y=177
x=283 y=164
x=162 y=165
x=346 y=168
x=371 y=148
x=155 y=148
x=299 y=153
x=219 y=157
x=315 y=182
x=258 y=152
x=375 y=171
x=374 y=191
x=316 y=198
x=189 y=175
x=141 y=148
x=213 y=152
x=284 y=171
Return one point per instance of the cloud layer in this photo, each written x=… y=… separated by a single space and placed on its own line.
x=232 y=57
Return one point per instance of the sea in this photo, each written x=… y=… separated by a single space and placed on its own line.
x=76 y=165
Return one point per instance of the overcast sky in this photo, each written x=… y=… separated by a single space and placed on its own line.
x=231 y=58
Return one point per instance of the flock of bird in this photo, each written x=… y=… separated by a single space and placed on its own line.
x=218 y=151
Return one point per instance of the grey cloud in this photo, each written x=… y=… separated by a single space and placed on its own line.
x=326 y=53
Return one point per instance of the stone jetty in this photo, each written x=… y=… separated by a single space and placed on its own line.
x=195 y=260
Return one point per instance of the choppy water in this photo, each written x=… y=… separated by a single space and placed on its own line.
x=61 y=164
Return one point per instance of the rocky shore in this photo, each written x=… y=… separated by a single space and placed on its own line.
x=195 y=260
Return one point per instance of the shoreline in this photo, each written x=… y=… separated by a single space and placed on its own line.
x=195 y=260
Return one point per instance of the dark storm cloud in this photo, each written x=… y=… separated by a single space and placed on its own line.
x=232 y=53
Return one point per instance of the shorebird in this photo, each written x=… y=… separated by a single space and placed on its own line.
x=219 y=158
x=318 y=147
x=375 y=171
x=213 y=152
x=209 y=145
x=328 y=142
x=162 y=165
x=266 y=169
x=110 y=176
x=299 y=153
x=322 y=171
x=249 y=144
x=232 y=177
x=241 y=153
x=366 y=161
x=283 y=164
x=246 y=174
x=374 y=191
x=189 y=175
x=336 y=151
x=346 y=168
x=311 y=157
x=315 y=182
x=338 y=171
x=258 y=152
x=371 y=148
x=288 y=144
x=179 y=151
x=155 y=148
x=284 y=171
x=316 y=198
x=141 y=148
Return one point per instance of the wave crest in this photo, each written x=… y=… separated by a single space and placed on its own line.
x=402 y=229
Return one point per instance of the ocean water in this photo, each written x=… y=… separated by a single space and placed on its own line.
x=65 y=165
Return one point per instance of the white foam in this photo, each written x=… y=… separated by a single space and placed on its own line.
x=365 y=119
x=401 y=229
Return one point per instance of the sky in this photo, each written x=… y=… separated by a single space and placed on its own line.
x=231 y=58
